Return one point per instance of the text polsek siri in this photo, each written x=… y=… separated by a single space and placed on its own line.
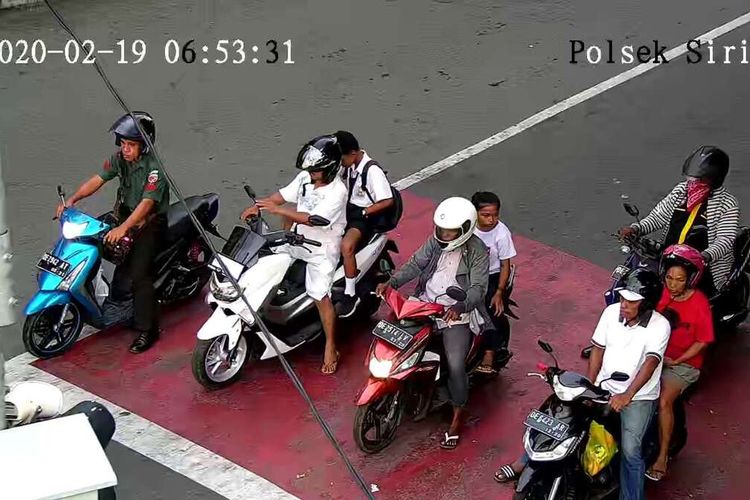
x=698 y=51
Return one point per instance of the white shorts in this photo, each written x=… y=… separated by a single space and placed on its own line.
x=321 y=266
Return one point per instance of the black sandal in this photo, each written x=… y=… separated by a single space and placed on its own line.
x=508 y=474
x=449 y=442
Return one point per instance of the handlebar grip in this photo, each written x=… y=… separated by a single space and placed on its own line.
x=312 y=242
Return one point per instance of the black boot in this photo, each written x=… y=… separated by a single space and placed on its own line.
x=144 y=341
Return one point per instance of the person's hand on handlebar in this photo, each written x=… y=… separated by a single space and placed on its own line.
x=268 y=206
x=380 y=289
x=249 y=212
x=452 y=314
x=627 y=232
x=619 y=401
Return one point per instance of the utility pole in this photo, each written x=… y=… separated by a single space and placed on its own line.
x=7 y=300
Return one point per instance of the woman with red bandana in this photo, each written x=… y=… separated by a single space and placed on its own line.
x=699 y=212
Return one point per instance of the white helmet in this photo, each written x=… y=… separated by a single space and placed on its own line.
x=458 y=214
x=33 y=400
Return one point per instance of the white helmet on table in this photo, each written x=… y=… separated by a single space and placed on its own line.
x=454 y=214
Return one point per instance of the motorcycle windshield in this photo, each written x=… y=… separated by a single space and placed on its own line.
x=404 y=307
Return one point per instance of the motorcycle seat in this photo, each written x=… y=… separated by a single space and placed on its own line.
x=205 y=208
x=741 y=245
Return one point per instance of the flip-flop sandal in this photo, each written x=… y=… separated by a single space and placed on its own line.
x=655 y=475
x=334 y=366
x=485 y=369
x=449 y=442
x=508 y=474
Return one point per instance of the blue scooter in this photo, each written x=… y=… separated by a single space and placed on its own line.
x=75 y=276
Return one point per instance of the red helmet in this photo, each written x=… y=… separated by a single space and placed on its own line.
x=685 y=256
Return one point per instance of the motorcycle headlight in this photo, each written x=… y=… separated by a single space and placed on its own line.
x=380 y=368
x=72 y=230
x=566 y=393
x=557 y=453
x=222 y=291
x=625 y=249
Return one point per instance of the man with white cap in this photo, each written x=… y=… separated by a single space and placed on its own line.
x=631 y=338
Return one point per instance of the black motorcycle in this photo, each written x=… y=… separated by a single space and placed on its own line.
x=730 y=305
x=558 y=432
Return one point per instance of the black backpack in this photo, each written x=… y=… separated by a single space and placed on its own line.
x=387 y=220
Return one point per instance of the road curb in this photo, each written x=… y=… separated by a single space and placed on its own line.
x=7 y=4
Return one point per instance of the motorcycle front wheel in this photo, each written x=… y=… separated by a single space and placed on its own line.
x=375 y=423
x=52 y=331
x=214 y=366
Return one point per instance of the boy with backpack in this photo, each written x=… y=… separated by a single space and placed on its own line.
x=373 y=207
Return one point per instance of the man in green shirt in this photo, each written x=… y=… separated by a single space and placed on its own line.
x=141 y=207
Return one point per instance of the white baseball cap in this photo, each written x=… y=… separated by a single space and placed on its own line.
x=630 y=295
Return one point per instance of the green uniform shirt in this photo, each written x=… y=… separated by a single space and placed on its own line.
x=142 y=180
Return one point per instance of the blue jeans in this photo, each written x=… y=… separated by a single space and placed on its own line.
x=634 y=421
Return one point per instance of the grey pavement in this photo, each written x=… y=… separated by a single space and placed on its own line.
x=416 y=81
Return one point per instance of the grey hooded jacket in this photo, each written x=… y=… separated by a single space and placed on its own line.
x=472 y=274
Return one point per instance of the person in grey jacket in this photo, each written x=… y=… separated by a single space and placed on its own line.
x=453 y=256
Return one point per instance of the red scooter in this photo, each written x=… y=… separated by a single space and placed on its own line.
x=404 y=362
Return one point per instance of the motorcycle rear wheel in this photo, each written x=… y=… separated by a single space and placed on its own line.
x=208 y=365
x=38 y=331
x=389 y=410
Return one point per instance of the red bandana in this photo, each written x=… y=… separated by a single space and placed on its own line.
x=697 y=192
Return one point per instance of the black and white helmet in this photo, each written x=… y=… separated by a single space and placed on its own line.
x=321 y=154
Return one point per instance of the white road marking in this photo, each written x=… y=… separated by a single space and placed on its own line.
x=159 y=444
x=561 y=106
x=227 y=478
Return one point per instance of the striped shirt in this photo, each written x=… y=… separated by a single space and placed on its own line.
x=723 y=216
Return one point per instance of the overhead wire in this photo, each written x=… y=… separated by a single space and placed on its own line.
x=296 y=382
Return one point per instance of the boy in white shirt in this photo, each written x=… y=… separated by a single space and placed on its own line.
x=317 y=190
x=366 y=201
x=499 y=242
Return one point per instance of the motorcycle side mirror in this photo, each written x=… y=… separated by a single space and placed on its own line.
x=545 y=346
x=619 y=377
x=632 y=210
x=548 y=349
x=385 y=266
x=317 y=220
x=456 y=293
x=250 y=192
x=60 y=191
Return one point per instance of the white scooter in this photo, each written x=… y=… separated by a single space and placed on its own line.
x=274 y=285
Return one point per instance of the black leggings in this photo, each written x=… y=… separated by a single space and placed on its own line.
x=456 y=344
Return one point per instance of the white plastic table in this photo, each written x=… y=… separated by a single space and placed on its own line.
x=59 y=458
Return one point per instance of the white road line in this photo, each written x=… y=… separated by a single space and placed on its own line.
x=561 y=106
x=159 y=444
x=215 y=472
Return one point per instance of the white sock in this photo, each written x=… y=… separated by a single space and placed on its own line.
x=350 y=287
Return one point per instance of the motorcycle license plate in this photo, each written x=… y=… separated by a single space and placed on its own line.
x=392 y=334
x=552 y=427
x=54 y=265
x=619 y=272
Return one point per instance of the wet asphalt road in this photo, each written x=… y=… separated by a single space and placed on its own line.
x=415 y=81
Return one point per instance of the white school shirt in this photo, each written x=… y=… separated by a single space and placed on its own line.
x=377 y=184
x=626 y=349
x=500 y=244
x=328 y=201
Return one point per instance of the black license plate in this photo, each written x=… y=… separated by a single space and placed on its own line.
x=54 y=265
x=392 y=334
x=552 y=427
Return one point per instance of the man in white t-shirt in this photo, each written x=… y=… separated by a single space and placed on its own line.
x=317 y=190
x=496 y=236
x=631 y=338
x=367 y=200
